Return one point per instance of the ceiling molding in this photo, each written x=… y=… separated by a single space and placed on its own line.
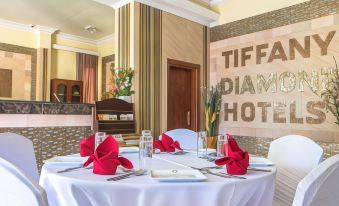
x=114 y=3
x=49 y=30
x=215 y=23
x=26 y=27
x=183 y=8
x=76 y=38
x=85 y=40
x=73 y=49
x=105 y=39
x=216 y=2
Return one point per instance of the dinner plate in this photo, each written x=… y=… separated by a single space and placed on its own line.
x=177 y=175
x=66 y=160
x=260 y=162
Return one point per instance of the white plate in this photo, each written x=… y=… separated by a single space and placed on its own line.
x=129 y=149
x=260 y=162
x=177 y=175
x=66 y=160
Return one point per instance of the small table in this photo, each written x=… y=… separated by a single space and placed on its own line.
x=82 y=187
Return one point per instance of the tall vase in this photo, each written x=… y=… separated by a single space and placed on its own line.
x=212 y=142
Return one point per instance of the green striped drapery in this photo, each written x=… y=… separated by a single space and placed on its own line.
x=150 y=69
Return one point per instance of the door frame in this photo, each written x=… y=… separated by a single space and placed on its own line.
x=195 y=85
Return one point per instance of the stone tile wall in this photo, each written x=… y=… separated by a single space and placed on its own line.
x=52 y=141
x=297 y=13
x=260 y=146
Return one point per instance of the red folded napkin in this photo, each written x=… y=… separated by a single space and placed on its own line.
x=106 y=158
x=237 y=161
x=166 y=144
x=87 y=146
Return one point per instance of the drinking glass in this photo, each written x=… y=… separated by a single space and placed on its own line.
x=222 y=140
x=145 y=150
x=99 y=137
x=202 y=144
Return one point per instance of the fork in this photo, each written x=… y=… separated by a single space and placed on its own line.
x=124 y=176
x=208 y=171
x=73 y=168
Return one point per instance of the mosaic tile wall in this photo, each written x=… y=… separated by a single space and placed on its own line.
x=297 y=13
x=260 y=146
x=26 y=107
x=52 y=141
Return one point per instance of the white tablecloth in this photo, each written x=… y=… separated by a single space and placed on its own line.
x=82 y=187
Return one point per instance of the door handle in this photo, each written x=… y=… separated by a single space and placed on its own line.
x=188 y=118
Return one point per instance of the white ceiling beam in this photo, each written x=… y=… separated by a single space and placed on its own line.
x=73 y=49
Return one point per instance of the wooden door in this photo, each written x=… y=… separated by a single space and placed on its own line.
x=182 y=93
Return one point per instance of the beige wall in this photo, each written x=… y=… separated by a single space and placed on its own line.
x=63 y=65
x=181 y=40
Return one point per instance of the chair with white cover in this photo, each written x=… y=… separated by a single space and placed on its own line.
x=187 y=138
x=19 y=150
x=320 y=186
x=17 y=188
x=294 y=156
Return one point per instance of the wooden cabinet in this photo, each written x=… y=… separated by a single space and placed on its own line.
x=69 y=91
x=115 y=116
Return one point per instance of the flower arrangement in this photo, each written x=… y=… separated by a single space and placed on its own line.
x=331 y=93
x=121 y=82
x=212 y=109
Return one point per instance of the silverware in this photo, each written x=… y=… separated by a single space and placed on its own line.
x=73 y=168
x=124 y=176
x=207 y=170
x=259 y=170
x=181 y=152
x=234 y=176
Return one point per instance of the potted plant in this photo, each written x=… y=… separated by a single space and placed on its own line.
x=212 y=109
x=331 y=93
x=121 y=84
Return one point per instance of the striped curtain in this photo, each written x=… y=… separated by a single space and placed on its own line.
x=87 y=70
x=150 y=69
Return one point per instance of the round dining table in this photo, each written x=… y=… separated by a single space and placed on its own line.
x=81 y=187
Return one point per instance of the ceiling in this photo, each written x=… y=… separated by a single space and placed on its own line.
x=69 y=16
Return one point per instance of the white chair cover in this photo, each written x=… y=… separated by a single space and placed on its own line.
x=16 y=188
x=187 y=138
x=321 y=186
x=19 y=150
x=294 y=156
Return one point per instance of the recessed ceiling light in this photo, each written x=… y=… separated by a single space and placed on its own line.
x=91 y=29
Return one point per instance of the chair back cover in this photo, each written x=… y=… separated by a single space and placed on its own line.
x=19 y=150
x=187 y=138
x=17 y=188
x=320 y=186
x=294 y=156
